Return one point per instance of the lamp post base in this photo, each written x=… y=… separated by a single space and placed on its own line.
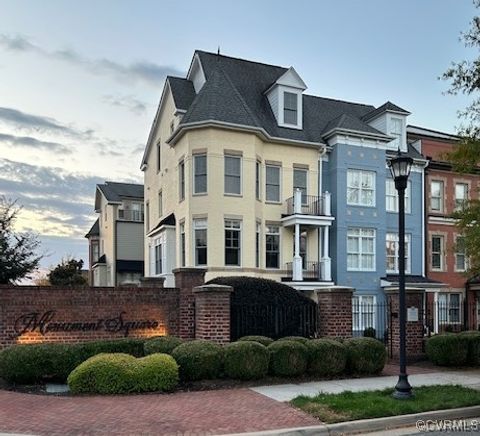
x=403 y=390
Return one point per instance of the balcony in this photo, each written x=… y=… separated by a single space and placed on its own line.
x=311 y=272
x=308 y=210
x=130 y=215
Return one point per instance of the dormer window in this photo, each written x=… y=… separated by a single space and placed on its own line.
x=290 y=108
x=396 y=128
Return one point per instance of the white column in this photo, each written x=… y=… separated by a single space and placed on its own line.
x=297 y=260
x=326 y=261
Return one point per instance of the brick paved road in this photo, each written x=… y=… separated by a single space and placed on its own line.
x=192 y=413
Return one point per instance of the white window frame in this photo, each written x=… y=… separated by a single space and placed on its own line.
x=295 y=111
x=391 y=196
x=181 y=180
x=158 y=260
x=460 y=203
x=183 y=252
x=396 y=130
x=234 y=225
x=440 y=198
x=458 y=254
x=441 y=253
x=304 y=191
x=358 y=317
x=363 y=233
x=393 y=238
x=160 y=204
x=225 y=175
x=258 y=243
x=351 y=172
x=200 y=224
x=258 y=180
x=195 y=175
x=279 y=168
x=446 y=320
x=268 y=231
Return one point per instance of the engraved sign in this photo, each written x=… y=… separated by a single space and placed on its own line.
x=412 y=314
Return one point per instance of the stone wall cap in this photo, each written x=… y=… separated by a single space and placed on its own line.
x=408 y=290
x=212 y=288
x=189 y=270
x=334 y=289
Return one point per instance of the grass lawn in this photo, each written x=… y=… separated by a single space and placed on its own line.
x=349 y=406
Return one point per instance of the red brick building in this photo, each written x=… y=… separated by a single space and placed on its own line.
x=449 y=303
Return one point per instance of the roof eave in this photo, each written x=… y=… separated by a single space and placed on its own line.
x=339 y=131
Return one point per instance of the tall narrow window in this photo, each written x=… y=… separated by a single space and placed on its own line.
x=200 y=235
x=257 y=245
x=460 y=254
x=392 y=247
x=232 y=242
x=258 y=167
x=290 y=108
x=396 y=127
x=160 y=204
x=461 y=195
x=272 y=183
x=159 y=156
x=392 y=196
x=95 y=251
x=303 y=248
x=300 y=182
x=158 y=257
x=272 y=247
x=200 y=173
x=147 y=216
x=437 y=252
x=181 y=180
x=360 y=249
x=361 y=187
x=436 y=195
x=182 y=244
x=233 y=179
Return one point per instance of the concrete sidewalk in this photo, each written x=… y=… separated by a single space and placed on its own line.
x=468 y=378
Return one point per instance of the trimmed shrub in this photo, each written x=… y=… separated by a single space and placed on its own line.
x=473 y=340
x=199 y=360
x=448 y=349
x=161 y=344
x=246 y=360
x=365 y=355
x=299 y=339
x=326 y=357
x=288 y=358
x=119 y=373
x=36 y=362
x=260 y=339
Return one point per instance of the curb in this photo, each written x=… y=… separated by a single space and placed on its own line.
x=371 y=425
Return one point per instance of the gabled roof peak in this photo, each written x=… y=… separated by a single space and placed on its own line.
x=386 y=107
x=292 y=79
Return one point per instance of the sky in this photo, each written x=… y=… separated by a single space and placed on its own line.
x=80 y=81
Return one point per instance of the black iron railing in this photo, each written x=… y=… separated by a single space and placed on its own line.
x=311 y=270
x=311 y=205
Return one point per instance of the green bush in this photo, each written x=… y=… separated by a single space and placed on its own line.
x=365 y=355
x=326 y=357
x=247 y=360
x=161 y=344
x=448 y=349
x=119 y=373
x=473 y=340
x=264 y=340
x=370 y=332
x=298 y=339
x=199 y=360
x=36 y=362
x=288 y=358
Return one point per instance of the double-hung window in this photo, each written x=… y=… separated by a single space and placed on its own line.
x=232 y=242
x=258 y=173
x=158 y=257
x=182 y=244
x=361 y=187
x=460 y=254
x=200 y=236
x=290 y=108
x=181 y=180
x=437 y=249
x=272 y=247
x=200 y=174
x=300 y=182
x=392 y=247
x=448 y=308
x=360 y=249
x=436 y=195
x=160 y=204
x=272 y=183
x=159 y=156
x=363 y=312
x=233 y=178
x=396 y=127
x=461 y=195
x=391 y=200
x=257 y=245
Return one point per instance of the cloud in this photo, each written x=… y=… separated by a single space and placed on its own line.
x=143 y=71
x=29 y=142
x=128 y=102
x=23 y=120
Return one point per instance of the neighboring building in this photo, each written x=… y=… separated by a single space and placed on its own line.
x=116 y=238
x=445 y=191
x=245 y=173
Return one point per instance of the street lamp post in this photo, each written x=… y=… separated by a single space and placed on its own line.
x=400 y=168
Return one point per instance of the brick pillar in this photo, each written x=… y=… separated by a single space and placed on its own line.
x=186 y=279
x=212 y=313
x=414 y=330
x=334 y=311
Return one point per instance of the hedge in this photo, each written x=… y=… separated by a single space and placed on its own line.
x=119 y=373
x=161 y=344
x=247 y=360
x=199 y=360
x=288 y=358
x=473 y=347
x=264 y=340
x=326 y=357
x=448 y=349
x=299 y=339
x=365 y=355
x=36 y=362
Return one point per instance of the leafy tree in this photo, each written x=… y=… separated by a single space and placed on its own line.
x=67 y=273
x=17 y=250
x=464 y=78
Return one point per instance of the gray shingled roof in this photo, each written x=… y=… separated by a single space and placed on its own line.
x=183 y=92
x=411 y=151
x=234 y=92
x=388 y=106
x=349 y=122
x=114 y=191
x=94 y=230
